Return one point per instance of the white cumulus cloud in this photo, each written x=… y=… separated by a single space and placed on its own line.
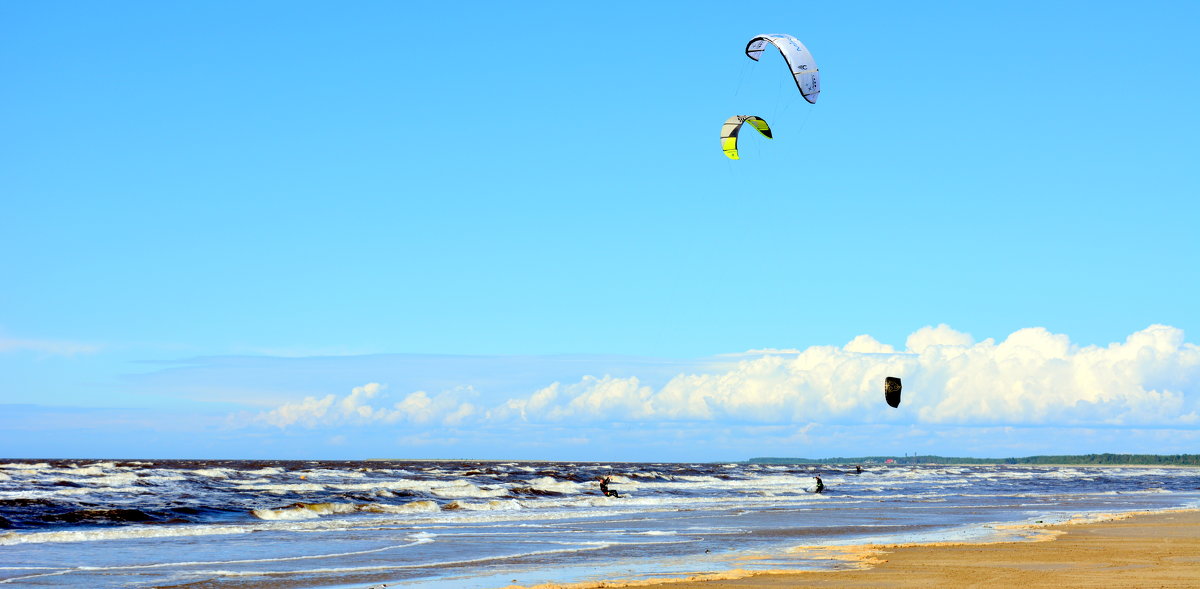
x=356 y=408
x=1032 y=377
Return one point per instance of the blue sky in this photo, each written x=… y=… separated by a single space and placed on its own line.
x=222 y=219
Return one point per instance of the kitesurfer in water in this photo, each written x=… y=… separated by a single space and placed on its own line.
x=857 y=469
x=604 y=481
x=820 y=485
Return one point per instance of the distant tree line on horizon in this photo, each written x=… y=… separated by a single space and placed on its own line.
x=1079 y=459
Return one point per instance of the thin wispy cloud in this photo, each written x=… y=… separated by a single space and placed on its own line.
x=46 y=347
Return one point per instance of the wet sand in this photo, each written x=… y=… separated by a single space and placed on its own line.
x=1159 y=549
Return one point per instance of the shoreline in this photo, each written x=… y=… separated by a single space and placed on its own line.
x=1141 y=548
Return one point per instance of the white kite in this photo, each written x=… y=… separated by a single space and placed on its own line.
x=800 y=62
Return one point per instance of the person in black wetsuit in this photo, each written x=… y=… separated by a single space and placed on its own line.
x=604 y=481
x=820 y=485
x=857 y=469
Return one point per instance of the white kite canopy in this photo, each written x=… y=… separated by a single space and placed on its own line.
x=799 y=60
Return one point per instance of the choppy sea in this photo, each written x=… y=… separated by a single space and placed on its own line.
x=166 y=523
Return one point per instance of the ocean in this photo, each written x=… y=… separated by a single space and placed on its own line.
x=466 y=524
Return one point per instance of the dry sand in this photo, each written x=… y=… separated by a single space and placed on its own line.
x=1160 y=549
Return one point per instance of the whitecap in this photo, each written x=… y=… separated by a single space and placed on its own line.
x=26 y=467
x=423 y=506
x=494 y=505
x=467 y=490
x=266 y=471
x=554 y=485
x=300 y=511
x=284 y=488
x=216 y=473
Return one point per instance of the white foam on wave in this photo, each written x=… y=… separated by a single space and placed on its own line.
x=283 y=488
x=449 y=489
x=123 y=479
x=77 y=471
x=45 y=493
x=1134 y=471
x=378 y=486
x=424 y=506
x=364 y=490
x=394 y=472
x=215 y=473
x=385 y=515
x=1059 y=473
x=163 y=477
x=554 y=485
x=339 y=474
x=97 y=469
x=266 y=471
x=305 y=511
x=252 y=482
x=948 y=482
x=464 y=489
x=402 y=515
x=648 y=474
x=774 y=483
x=698 y=478
x=27 y=474
x=28 y=467
x=495 y=505
x=122 y=533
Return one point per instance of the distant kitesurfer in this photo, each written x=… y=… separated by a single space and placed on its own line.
x=857 y=469
x=820 y=485
x=604 y=481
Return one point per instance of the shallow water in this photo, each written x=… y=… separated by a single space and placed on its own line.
x=489 y=524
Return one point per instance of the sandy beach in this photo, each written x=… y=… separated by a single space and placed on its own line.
x=1133 y=550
